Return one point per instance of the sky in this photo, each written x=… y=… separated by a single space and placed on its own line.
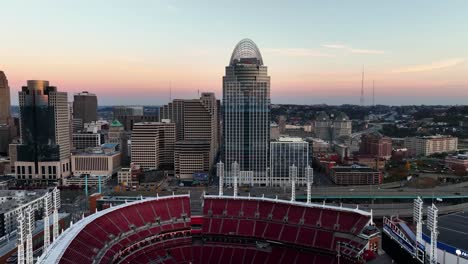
x=131 y=52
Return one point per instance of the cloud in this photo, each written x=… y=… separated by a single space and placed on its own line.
x=352 y=50
x=437 y=65
x=293 y=52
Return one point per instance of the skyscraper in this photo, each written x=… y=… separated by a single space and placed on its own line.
x=5 y=103
x=153 y=145
x=85 y=107
x=246 y=101
x=197 y=124
x=44 y=152
x=6 y=122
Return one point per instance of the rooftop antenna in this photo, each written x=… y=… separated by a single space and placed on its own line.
x=373 y=93
x=170 y=91
x=362 y=87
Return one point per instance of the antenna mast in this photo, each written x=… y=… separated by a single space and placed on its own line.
x=362 y=87
x=170 y=91
x=373 y=93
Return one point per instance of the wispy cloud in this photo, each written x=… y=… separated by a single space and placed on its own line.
x=432 y=66
x=295 y=52
x=352 y=50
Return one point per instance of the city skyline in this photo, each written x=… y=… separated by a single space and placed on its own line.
x=134 y=53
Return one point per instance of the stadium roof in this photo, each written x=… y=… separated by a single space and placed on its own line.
x=59 y=246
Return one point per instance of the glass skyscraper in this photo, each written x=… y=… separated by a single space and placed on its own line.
x=246 y=103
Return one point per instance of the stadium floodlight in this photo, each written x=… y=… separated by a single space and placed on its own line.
x=21 y=236
x=432 y=214
x=417 y=219
x=310 y=180
x=57 y=204
x=29 y=240
x=220 y=173
x=46 y=221
x=235 y=174
x=292 y=178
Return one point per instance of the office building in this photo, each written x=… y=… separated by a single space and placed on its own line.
x=191 y=157
x=246 y=105
x=425 y=146
x=153 y=145
x=196 y=121
x=7 y=126
x=376 y=145
x=285 y=152
x=355 y=175
x=118 y=135
x=5 y=103
x=100 y=161
x=43 y=154
x=129 y=115
x=85 y=107
x=82 y=141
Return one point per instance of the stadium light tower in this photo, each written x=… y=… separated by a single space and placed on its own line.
x=47 y=207
x=29 y=240
x=292 y=178
x=417 y=219
x=235 y=170
x=220 y=173
x=57 y=204
x=432 y=213
x=21 y=236
x=310 y=180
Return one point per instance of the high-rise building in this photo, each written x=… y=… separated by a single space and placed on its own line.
x=43 y=154
x=129 y=115
x=118 y=135
x=246 y=104
x=5 y=104
x=284 y=153
x=7 y=126
x=191 y=157
x=153 y=145
x=197 y=123
x=85 y=107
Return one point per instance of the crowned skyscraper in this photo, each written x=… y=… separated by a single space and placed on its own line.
x=44 y=152
x=246 y=104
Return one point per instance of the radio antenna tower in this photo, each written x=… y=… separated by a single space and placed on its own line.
x=170 y=91
x=362 y=87
x=373 y=93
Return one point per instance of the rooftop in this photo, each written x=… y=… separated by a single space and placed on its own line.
x=453 y=230
x=352 y=168
x=244 y=52
x=290 y=139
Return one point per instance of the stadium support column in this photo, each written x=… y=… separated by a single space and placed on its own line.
x=432 y=226
x=235 y=174
x=220 y=173
x=310 y=180
x=21 y=236
x=292 y=178
x=46 y=222
x=29 y=240
x=56 y=194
